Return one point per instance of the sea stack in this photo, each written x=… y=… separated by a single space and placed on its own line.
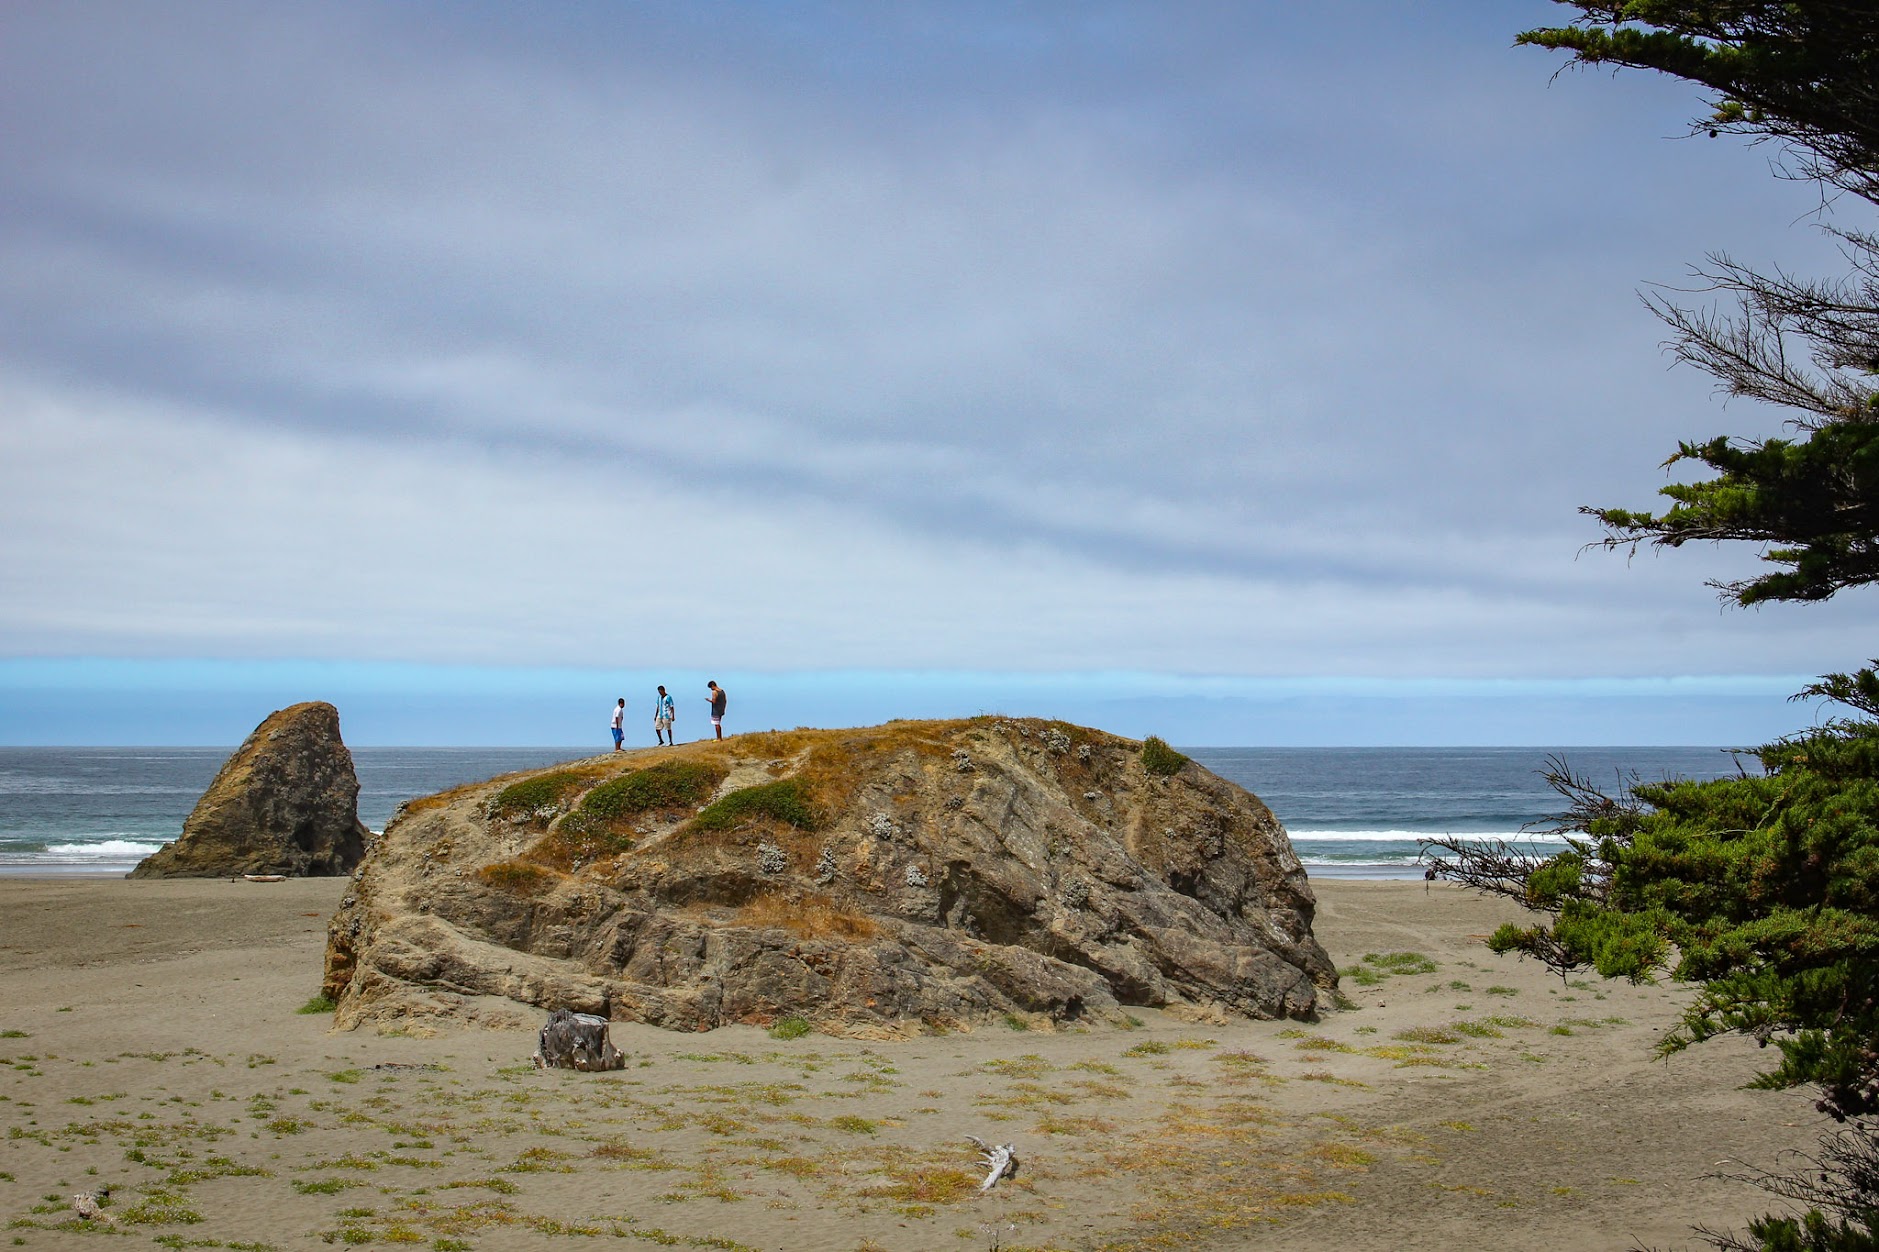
x=287 y=802
x=899 y=879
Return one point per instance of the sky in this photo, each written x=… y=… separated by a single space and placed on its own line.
x=1232 y=372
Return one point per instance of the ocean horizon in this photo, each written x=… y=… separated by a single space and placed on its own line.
x=1350 y=812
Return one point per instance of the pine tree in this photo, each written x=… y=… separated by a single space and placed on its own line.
x=1762 y=889
x=1804 y=77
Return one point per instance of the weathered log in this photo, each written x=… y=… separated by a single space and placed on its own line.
x=576 y=1041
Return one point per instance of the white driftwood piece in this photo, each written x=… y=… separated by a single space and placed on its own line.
x=576 y=1041
x=997 y=1162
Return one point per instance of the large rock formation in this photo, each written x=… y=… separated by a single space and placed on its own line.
x=287 y=802
x=916 y=874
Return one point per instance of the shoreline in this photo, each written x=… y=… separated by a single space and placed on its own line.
x=1464 y=1101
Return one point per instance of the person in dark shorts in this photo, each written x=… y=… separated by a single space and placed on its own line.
x=619 y=723
x=717 y=708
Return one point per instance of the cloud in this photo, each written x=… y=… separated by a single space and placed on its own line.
x=177 y=535
x=1196 y=338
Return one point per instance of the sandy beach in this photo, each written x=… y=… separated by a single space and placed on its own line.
x=153 y=1043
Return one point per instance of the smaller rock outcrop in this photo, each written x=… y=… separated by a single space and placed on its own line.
x=287 y=802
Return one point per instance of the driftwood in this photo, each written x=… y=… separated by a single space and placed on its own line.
x=576 y=1041
x=997 y=1162
x=89 y=1205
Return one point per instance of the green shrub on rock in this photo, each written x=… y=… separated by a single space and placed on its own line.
x=782 y=800
x=667 y=785
x=1160 y=759
x=536 y=797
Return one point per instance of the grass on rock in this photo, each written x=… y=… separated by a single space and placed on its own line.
x=783 y=801
x=536 y=799
x=667 y=785
x=517 y=878
x=808 y=917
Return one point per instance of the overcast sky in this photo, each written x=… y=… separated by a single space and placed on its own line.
x=995 y=349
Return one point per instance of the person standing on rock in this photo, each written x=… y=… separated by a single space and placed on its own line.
x=663 y=715
x=717 y=708
x=619 y=724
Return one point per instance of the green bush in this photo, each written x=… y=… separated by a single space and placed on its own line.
x=1159 y=758
x=782 y=800
x=532 y=795
x=667 y=785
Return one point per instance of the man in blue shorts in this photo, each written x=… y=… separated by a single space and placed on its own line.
x=619 y=724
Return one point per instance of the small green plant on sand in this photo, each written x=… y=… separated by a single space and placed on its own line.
x=323 y=1186
x=1376 y=967
x=1160 y=759
x=1400 y=962
x=1427 y=1034
x=795 y=1026
x=321 y=1003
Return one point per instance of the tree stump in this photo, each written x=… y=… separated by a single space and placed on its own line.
x=576 y=1041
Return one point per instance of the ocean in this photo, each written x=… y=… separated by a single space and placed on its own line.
x=1351 y=812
